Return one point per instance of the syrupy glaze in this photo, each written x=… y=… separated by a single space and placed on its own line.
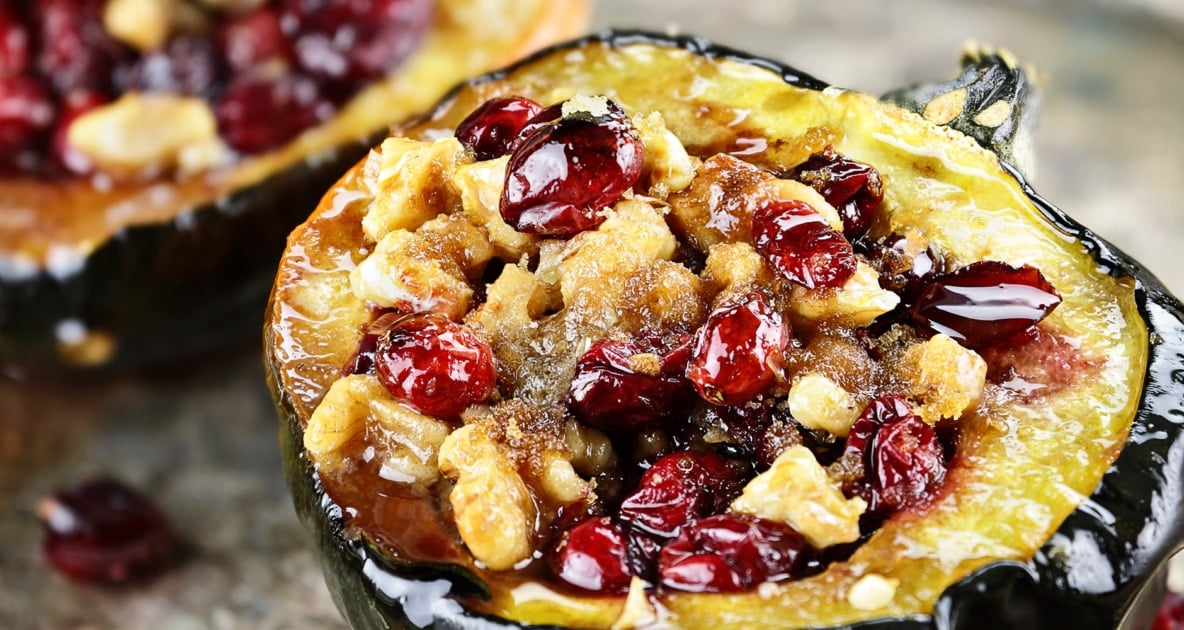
x=1031 y=458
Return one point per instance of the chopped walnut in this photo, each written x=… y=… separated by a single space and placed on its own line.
x=480 y=185
x=414 y=183
x=941 y=377
x=142 y=24
x=734 y=268
x=820 y=403
x=591 y=268
x=147 y=133
x=793 y=189
x=668 y=168
x=495 y=514
x=718 y=204
x=662 y=295
x=358 y=412
x=797 y=491
x=426 y=270
x=592 y=451
x=855 y=304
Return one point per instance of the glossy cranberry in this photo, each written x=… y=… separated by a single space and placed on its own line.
x=801 y=245
x=76 y=52
x=186 y=64
x=728 y=553
x=615 y=389
x=434 y=365
x=678 y=488
x=903 y=459
x=14 y=44
x=74 y=105
x=591 y=556
x=565 y=172
x=984 y=302
x=493 y=129
x=739 y=352
x=103 y=531
x=1171 y=613
x=354 y=41
x=258 y=113
x=252 y=39
x=854 y=189
x=26 y=112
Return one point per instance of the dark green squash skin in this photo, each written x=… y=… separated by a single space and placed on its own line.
x=1118 y=542
x=172 y=289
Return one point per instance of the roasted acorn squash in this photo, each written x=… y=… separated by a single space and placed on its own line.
x=1059 y=509
x=100 y=272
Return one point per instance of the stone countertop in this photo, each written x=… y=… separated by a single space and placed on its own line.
x=201 y=440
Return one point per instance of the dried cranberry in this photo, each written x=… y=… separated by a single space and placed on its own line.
x=434 y=365
x=565 y=172
x=801 y=245
x=854 y=189
x=186 y=64
x=902 y=457
x=14 y=44
x=258 y=113
x=26 y=112
x=984 y=302
x=739 y=352
x=103 y=531
x=77 y=52
x=74 y=105
x=612 y=391
x=355 y=41
x=727 y=553
x=680 y=487
x=252 y=39
x=1171 y=613
x=591 y=556
x=493 y=129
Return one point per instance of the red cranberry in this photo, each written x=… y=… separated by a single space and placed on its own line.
x=591 y=556
x=354 y=41
x=14 y=44
x=800 y=245
x=103 y=531
x=609 y=393
x=727 y=553
x=252 y=39
x=1171 y=613
x=984 y=302
x=493 y=129
x=257 y=113
x=186 y=64
x=74 y=105
x=739 y=352
x=854 y=189
x=565 y=172
x=77 y=52
x=902 y=457
x=434 y=365
x=26 y=112
x=680 y=487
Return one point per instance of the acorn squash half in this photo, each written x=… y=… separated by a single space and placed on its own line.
x=98 y=272
x=1059 y=509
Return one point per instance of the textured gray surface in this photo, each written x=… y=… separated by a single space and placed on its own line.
x=201 y=440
